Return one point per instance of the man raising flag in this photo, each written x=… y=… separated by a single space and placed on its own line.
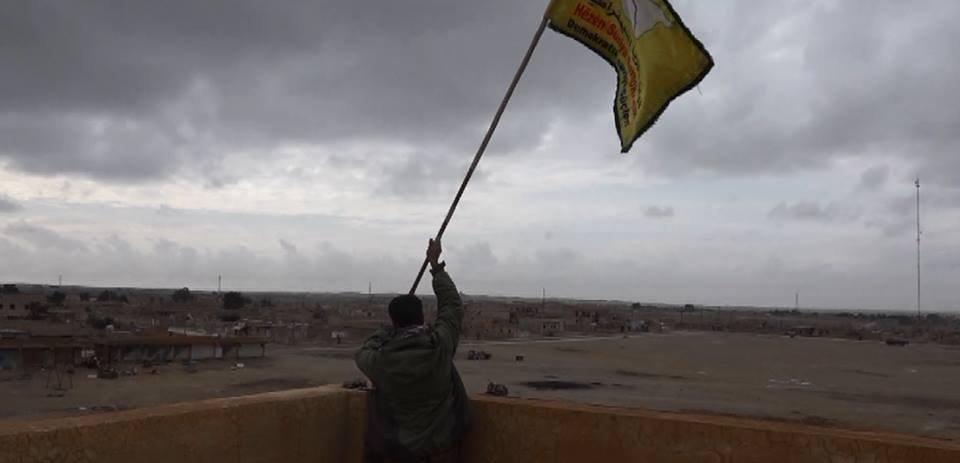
x=421 y=405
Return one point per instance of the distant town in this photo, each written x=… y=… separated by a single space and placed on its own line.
x=49 y=326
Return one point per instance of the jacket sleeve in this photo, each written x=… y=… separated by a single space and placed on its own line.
x=368 y=354
x=449 y=311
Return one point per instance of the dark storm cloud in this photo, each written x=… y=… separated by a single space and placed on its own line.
x=144 y=90
x=137 y=91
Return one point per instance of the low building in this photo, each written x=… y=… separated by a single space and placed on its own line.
x=9 y=333
x=542 y=326
x=637 y=325
x=26 y=353
x=61 y=315
x=16 y=306
x=254 y=328
x=807 y=331
x=172 y=348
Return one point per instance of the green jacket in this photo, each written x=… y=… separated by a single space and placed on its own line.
x=421 y=404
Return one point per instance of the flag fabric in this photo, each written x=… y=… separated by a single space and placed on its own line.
x=656 y=57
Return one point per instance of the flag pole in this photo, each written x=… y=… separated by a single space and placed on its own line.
x=486 y=140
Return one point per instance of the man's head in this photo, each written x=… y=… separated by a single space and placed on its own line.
x=406 y=310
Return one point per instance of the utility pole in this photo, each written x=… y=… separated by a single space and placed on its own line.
x=60 y=281
x=918 y=245
x=219 y=284
x=796 y=303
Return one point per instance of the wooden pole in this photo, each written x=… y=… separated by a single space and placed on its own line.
x=483 y=144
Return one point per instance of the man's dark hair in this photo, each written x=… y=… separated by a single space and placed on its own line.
x=406 y=310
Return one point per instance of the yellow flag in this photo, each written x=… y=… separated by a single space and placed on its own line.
x=656 y=57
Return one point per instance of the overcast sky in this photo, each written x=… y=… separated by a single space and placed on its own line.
x=316 y=145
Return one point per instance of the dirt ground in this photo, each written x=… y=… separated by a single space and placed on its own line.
x=850 y=384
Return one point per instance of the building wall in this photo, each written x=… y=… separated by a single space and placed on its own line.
x=542 y=326
x=14 y=306
x=134 y=353
x=9 y=359
x=35 y=357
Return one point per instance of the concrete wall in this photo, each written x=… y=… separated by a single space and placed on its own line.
x=508 y=430
x=174 y=352
x=326 y=425
x=36 y=357
x=311 y=425
x=9 y=359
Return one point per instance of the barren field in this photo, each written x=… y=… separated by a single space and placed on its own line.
x=850 y=384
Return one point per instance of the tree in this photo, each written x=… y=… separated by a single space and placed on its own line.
x=56 y=298
x=234 y=300
x=934 y=319
x=37 y=310
x=98 y=322
x=182 y=296
x=320 y=314
x=108 y=296
x=229 y=317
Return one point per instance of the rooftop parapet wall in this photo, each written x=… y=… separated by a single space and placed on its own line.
x=514 y=431
x=309 y=425
x=326 y=425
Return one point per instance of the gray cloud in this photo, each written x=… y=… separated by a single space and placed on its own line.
x=658 y=212
x=892 y=227
x=42 y=238
x=232 y=98
x=933 y=201
x=874 y=178
x=8 y=205
x=423 y=173
x=145 y=91
x=288 y=248
x=113 y=260
x=477 y=257
x=148 y=91
x=811 y=82
x=812 y=212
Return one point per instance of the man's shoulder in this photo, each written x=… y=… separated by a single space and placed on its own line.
x=411 y=339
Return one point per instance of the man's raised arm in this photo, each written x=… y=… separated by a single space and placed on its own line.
x=449 y=304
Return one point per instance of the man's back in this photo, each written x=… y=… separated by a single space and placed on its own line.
x=420 y=401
